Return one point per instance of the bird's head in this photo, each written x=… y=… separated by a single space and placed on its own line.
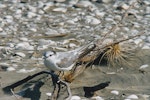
x=48 y=54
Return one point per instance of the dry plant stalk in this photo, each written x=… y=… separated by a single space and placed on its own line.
x=114 y=54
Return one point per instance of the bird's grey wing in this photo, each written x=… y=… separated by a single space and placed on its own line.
x=66 y=59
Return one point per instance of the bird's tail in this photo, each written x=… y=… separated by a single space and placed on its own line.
x=86 y=50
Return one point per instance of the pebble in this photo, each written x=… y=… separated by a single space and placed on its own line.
x=83 y=4
x=33 y=29
x=125 y=6
x=118 y=17
x=127 y=99
x=148 y=39
x=61 y=9
x=11 y=45
x=72 y=45
x=60 y=49
x=132 y=96
x=73 y=2
x=147 y=10
x=32 y=9
x=49 y=94
x=70 y=22
x=107 y=41
x=107 y=1
x=3 y=5
x=48 y=6
x=26 y=71
x=3 y=33
x=146 y=47
x=111 y=73
x=11 y=69
x=8 y=17
x=99 y=14
x=40 y=4
x=9 y=20
x=144 y=66
x=97 y=98
x=51 y=32
x=31 y=14
x=143 y=37
x=138 y=41
x=41 y=12
x=42 y=47
x=145 y=96
x=60 y=1
x=1 y=29
x=146 y=2
x=24 y=46
x=73 y=41
x=23 y=39
x=75 y=98
x=21 y=54
x=19 y=11
x=92 y=21
x=109 y=19
x=43 y=42
x=115 y=92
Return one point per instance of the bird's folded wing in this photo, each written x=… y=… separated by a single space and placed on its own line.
x=68 y=58
x=65 y=62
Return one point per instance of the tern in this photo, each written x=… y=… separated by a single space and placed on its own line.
x=64 y=61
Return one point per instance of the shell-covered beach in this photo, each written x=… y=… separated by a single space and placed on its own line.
x=30 y=27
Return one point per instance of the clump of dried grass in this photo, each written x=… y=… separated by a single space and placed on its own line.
x=114 y=54
x=119 y=53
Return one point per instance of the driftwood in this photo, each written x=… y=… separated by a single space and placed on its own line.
x=57 y=82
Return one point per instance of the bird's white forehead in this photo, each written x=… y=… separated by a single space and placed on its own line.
x=48 y=53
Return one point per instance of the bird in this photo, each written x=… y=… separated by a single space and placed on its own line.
x=64 y=61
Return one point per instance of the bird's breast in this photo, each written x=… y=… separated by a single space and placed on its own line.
x=49 y=64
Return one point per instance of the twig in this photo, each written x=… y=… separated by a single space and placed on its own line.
x=55 y=92
x=57 y=87
x=122 y=40
x=120 y=22
x=126 y=13
x=129 y=38
x=14 y=94
x=51 y=36
x=68 y=89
